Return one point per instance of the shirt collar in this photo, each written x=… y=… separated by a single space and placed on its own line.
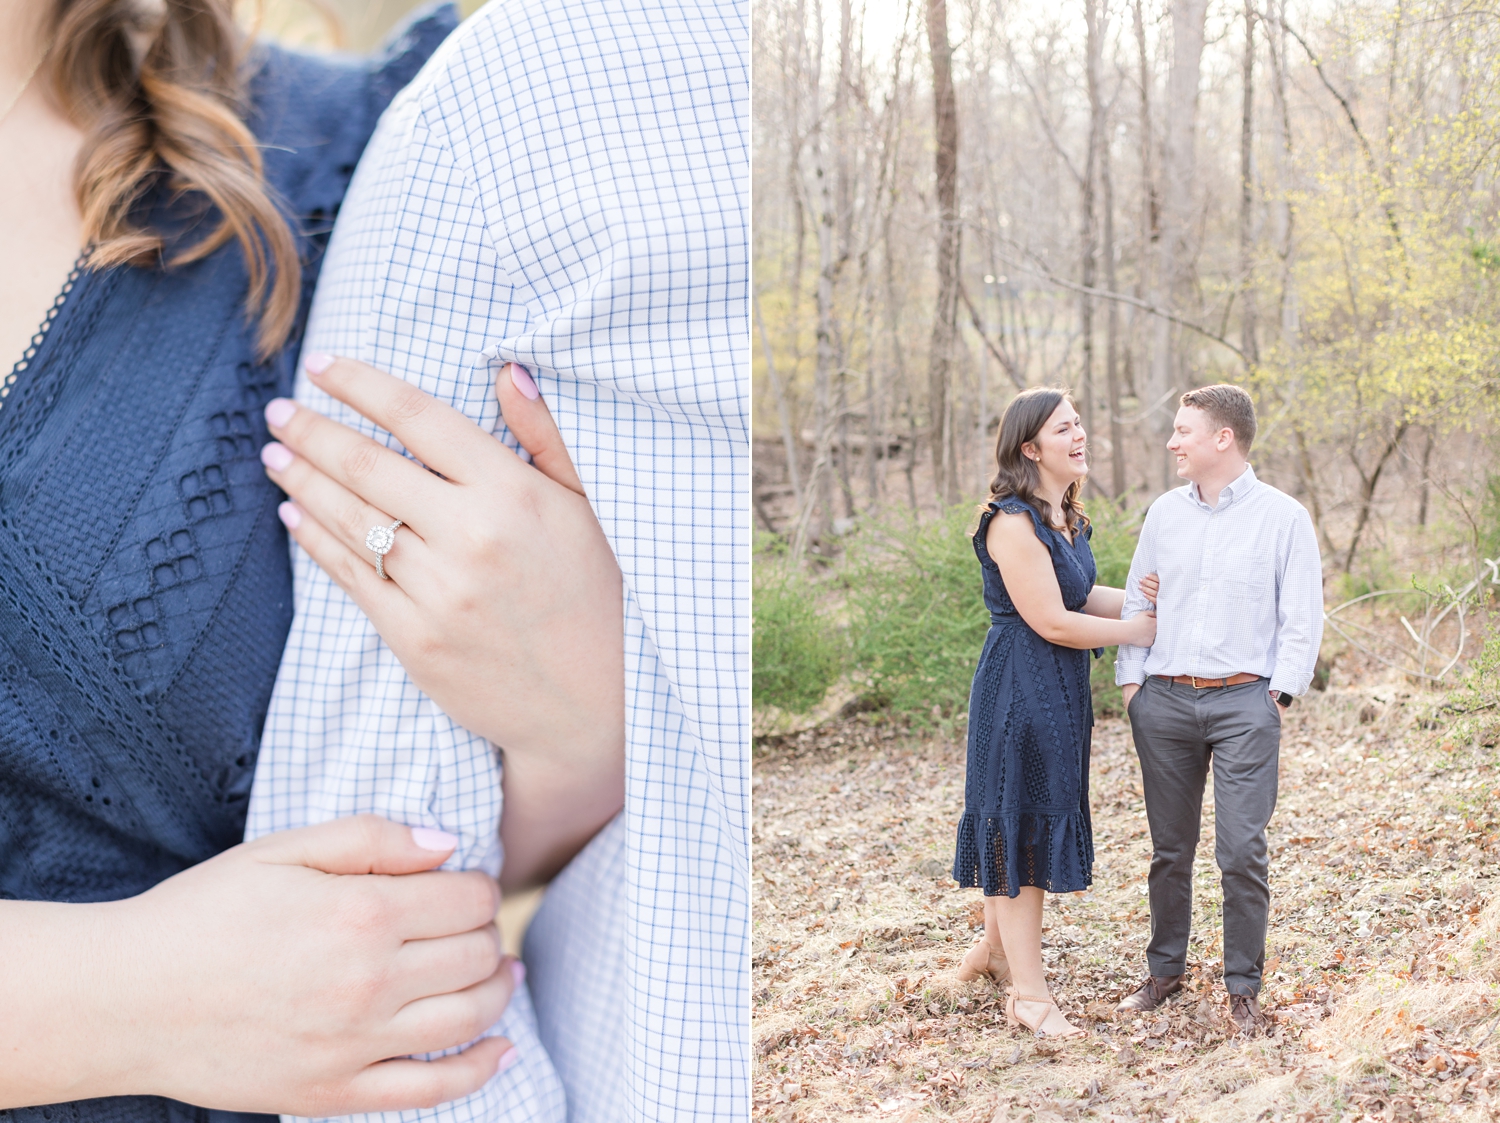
x=1243 y=484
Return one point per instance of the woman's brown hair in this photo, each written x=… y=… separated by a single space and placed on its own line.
x=157 y=86
x=1016 y=473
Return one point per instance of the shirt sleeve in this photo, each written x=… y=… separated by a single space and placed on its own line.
x=1130 y=661
x=1299 y=608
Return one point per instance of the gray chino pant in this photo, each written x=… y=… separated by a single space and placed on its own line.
x=1178 y=731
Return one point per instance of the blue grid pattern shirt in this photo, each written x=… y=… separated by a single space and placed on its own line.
x=1241 y=587
x=565 y=186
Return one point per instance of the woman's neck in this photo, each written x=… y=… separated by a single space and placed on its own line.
x=1051 y=491
x=21 y=44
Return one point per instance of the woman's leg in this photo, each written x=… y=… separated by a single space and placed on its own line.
x=1015 y=923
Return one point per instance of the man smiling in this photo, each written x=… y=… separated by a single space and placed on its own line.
x=1239 y=620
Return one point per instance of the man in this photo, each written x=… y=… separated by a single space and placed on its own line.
x=564 y=187
x=1239 y=620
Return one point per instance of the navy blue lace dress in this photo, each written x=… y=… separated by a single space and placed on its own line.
x=1026 y=794
x=145 y=585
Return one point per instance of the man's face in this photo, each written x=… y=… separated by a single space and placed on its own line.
x=1197 y=444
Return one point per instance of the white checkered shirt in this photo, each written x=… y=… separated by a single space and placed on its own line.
x=1241 y=587
x=565 y=186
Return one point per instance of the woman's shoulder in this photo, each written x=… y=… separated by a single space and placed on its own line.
x=1005 y=505
x=314 y=114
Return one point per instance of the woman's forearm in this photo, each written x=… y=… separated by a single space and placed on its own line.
x=1105 y=602
x=551 y=813
x=1076 y=629
x=62 y=976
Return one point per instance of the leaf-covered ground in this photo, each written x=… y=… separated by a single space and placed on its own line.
x=1382 y=968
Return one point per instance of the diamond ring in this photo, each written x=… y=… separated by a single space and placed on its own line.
x=379 y=541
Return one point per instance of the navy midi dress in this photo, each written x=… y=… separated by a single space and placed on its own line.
x=1026 y=793
x=145 y=584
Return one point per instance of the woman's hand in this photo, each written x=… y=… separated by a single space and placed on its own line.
x=1141 y=630
x=1150 y=587
x=273 y=977
x=504 y=602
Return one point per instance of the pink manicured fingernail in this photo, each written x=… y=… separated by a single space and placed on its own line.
x=317 y=362
x=430 y=839
x=291 y=518
x=276 y=456
x=522 y=382
x=279 y=411
x=508 y=1059
x=518 y=971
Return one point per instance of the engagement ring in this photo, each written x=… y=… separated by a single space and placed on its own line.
x=379 y=541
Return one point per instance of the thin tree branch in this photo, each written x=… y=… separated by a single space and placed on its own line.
x=1005 y=363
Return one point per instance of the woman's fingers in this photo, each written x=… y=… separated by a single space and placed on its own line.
x=448 y=964
x=434 y=432
x=443 y=903
x=402 y=1084
x=441 y=1021
x=353 y=573
x=381 y=476
x=357 y=844
x=528 y=417
x=337 y=509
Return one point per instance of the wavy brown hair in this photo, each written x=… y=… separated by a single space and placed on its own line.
x=1016 y=474
x=158 y=88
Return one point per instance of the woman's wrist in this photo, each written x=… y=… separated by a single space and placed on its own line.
x=71 y=1030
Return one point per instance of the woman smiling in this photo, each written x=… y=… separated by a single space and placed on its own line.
x=1025 y=827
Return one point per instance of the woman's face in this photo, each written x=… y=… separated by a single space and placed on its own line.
x=1058 y=449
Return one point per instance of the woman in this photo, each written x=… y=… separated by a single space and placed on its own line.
x=1025 y=827
x=145 y=598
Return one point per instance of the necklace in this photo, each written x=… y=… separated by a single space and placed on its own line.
x=25 y=85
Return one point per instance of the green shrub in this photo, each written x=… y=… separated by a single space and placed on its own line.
x=917 y=614
x=796 y=652
x=1473 y=709
x=1489 y=519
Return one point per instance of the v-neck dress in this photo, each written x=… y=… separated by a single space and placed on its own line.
x=145 y=583
x=1031 y=716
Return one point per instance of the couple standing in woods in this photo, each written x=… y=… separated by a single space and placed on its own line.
x=1218 y=629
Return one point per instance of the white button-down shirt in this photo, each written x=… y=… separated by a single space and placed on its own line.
x=1241 y=587
x=565 y=185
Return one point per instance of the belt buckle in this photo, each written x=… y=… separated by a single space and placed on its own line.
x=1195 y=681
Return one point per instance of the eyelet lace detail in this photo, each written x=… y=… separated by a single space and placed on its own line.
x=41 y=333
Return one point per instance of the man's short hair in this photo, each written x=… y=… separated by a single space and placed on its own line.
x=1228 y=407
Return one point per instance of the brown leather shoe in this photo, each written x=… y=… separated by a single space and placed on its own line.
x=1244 y=1009
x=1151 y=994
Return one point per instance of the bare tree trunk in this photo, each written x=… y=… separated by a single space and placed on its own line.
x=1173 y=250
x=845 y=227
x=1283 y=218
x=1150 y=235
x=1368 y=484
x=782 y=414
x=1112 y=323
x=1310 y=485
x=1426 y=481
x=1094 y=48
x=1248 y=342
x=945 y=165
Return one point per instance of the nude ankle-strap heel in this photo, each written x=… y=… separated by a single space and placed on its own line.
x=1014 y=1018
x=992 y=964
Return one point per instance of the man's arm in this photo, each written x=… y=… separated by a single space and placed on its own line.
x=1130 y=661
x=1299 y=608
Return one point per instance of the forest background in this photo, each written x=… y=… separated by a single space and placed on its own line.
x=953 y=201
x=956 y=199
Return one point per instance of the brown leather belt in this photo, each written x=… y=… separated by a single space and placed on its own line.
x=1199 y=683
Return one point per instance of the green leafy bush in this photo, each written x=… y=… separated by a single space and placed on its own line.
x=796 y=651
x=917 y=614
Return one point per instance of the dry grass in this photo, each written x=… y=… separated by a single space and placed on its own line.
x=1382 y=982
